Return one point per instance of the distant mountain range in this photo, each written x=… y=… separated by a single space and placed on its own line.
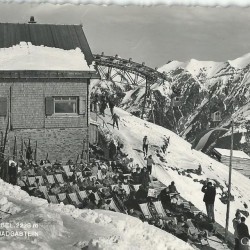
x=194 y=92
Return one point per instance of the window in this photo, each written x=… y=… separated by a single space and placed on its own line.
x=66 y=105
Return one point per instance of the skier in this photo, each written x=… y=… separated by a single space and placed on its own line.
x=150 y=163
x=115 y=119
x=145 y=146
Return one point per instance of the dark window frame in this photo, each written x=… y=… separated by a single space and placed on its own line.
x=66 y=99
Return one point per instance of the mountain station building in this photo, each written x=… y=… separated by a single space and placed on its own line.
x=45 y=72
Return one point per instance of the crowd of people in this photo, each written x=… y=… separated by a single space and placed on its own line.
x=119 y=184
x=115 y=183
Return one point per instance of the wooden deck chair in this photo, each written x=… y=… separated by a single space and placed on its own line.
x=44 y=190
x=145 y=210
x=73 y=198
x=62 y=197
x=113 y=206
x=194 y=210
x=59 y=178
x=83 y=195
x=92 y=176
x=99 y=175
x=31 y=180
x=66 y=168
x=50 y=179
x=127 y=176
x=114 y=185
x=53 y=199
x=186 y=205
x=79 y=175
x=126 y=188
x=41 y=180
x=136 y=187
x=159 y=209
x=97 y=197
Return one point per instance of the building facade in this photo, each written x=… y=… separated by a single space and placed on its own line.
x=48 y=109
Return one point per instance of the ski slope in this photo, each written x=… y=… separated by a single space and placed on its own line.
x=180 y=156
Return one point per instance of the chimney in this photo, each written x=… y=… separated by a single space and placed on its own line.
x=32 y=19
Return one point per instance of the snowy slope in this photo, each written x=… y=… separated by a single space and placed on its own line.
x=180 y=156
x=25 y=56
x=240 y=62
x=67 y=228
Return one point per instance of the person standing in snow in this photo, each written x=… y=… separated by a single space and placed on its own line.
x=115 y=119
x=13 y=173
x=145 y=146
x=111 y=106
x=236 y=222
x=150 y=163
x=242 y=232
x=112 y=150
x=209 y=197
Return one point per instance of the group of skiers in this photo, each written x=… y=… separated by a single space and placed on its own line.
x=103 y=101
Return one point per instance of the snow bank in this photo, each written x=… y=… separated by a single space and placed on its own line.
x=66 y=227
x=25 y=56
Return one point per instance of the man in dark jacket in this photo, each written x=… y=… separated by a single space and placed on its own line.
x=209 y=197
x=115 y=119
x=13 y=173
x=165 y=198
x=243 y=230
x=141 y=195
x=136 y=177
x=111 y=106
x=112 y=150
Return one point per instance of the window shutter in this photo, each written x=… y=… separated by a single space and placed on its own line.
x=82 y=106
x=3 y=106
x=49 y=105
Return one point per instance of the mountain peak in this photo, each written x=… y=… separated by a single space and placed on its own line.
x=240 y=62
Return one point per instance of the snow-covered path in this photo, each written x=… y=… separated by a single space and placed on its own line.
x=179 y=155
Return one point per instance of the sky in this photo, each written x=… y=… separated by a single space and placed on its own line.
x=153 y=35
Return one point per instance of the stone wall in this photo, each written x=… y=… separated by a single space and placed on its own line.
x=60 y=144
x=61 y=136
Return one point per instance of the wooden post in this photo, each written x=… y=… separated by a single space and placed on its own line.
x=47 y=156
x=14 y=149
x=152 y=108
x=145 y=98
x=6 y=135
x=35 y=153
x=83 y=149
x=1 y=141
x=229 y=181
x=22 y=147
x=77 y=159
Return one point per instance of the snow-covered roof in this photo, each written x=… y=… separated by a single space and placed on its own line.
x=66 y=37
x=25 y=56
x=236 y=153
